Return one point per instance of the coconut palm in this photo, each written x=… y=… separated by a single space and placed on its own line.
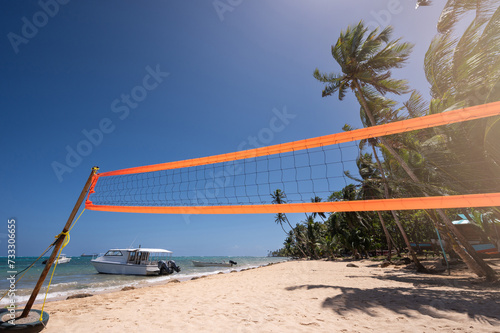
x=366 y=59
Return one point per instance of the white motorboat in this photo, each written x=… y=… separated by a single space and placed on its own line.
x=62 y=260
x=139 y=261
x=197 y=263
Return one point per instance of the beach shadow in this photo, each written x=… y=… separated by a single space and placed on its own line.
x=426 y=280
x=479 y=306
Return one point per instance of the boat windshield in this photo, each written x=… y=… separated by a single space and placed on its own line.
x=113 y=253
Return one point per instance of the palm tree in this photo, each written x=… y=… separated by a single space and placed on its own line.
x=366 y=60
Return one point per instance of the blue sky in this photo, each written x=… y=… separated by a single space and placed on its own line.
x=217 y=70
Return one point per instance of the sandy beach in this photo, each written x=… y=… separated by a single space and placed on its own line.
x=295 y=296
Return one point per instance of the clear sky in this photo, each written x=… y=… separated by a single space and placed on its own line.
x=206 y=75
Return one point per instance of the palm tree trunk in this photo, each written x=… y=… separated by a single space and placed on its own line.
x=419 y=266
x=465 y=250
x=387 y=236
x=398 y=251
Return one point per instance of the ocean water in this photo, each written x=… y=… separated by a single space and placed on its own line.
x=79 y=276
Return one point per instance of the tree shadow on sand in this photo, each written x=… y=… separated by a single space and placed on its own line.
x=481 y=306
x=426 y=280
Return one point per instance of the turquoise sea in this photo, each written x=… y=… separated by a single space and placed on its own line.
x=79 y=276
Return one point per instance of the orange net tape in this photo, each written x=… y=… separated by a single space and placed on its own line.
x=456 y=201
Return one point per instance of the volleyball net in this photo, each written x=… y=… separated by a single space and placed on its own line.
x=242 y=182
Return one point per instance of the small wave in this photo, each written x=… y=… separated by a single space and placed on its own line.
x=64 y=284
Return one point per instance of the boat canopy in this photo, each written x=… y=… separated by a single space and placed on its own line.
x=143 y=249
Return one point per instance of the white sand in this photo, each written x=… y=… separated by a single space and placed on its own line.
x=297 y=296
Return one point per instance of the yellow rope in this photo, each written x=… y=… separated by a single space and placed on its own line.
x=65 y=242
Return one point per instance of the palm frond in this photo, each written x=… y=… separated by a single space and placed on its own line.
x=393 y=55
x=454 y=10
x=322 y=77
x=416 y=105
x=489 y=46
x=342 y=89
x=385 y=34
x=437 y=65
x=394 y=86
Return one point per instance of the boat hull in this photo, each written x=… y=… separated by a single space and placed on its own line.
x=124 y=269
x=63 y=260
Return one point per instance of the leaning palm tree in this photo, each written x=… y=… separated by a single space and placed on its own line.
x=366 y=59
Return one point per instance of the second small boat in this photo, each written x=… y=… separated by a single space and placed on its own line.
x=62 y=260
x=197 y=263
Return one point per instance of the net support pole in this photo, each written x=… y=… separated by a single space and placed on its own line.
x=57 y=245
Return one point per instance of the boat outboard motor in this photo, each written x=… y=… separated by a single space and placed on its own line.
x=167 y=268
x=171 y=264
x=233 y=262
